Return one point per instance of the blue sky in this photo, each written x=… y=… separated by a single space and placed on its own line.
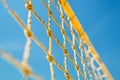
x=99 y=18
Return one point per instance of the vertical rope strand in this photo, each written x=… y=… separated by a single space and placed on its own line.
x=64 y=39
x=82 y=51
x=73 y=47
x=28 y=43
x=50 y=43
x=87 y=51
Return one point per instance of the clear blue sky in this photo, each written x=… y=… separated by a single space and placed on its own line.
x=99 y=18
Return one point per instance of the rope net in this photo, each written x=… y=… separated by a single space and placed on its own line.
x=74 y=50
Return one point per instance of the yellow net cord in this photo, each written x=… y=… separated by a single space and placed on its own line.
x=74 y=26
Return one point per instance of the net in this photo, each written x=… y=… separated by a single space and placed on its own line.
x=65 y=39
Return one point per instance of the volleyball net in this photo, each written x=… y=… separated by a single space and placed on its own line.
x=74 y=44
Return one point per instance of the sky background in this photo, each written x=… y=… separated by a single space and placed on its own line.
x=99 y=18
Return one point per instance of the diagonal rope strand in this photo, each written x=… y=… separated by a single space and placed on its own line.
x=16 y=63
